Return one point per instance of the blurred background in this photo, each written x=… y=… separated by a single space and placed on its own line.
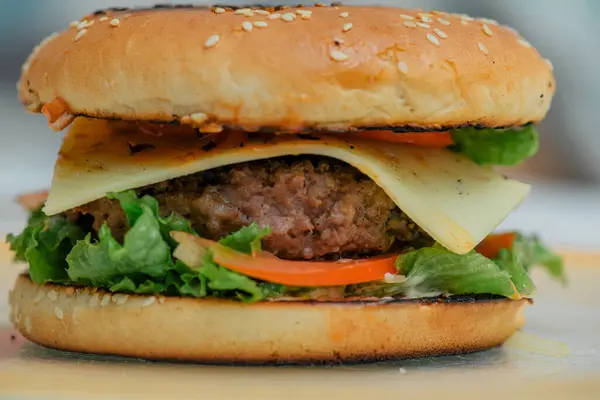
x=565 y=204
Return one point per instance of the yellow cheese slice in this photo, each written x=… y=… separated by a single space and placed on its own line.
x=454 y=200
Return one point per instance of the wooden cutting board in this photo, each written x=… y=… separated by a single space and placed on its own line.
x=560 y=359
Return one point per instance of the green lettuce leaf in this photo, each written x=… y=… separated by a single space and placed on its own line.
x=213 y=278
x=20 y=243
x=246 y=240
x=437 y=270
x=434 y=269
x=44 y=244
x=143 y=263
x=143 y=253
x=59 y=251
x=529 y=252
x=133 y=207
x=224 y=280
x=497 y=146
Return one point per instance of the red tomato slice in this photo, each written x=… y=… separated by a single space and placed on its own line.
x=492 y=244
x=269 y=268
x=32 y=201
x=426 y=139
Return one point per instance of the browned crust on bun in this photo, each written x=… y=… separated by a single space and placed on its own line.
x=220 y=331
x=325 y=68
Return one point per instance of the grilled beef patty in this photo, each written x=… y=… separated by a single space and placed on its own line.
x=316 y=207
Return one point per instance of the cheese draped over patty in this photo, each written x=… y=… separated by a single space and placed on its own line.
x=454 y=200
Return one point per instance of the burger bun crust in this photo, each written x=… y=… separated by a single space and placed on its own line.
x=322 y=68
x=220 y=331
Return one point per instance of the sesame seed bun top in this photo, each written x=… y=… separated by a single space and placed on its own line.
x=289 y=69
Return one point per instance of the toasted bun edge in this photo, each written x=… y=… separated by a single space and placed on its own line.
x=220 y=331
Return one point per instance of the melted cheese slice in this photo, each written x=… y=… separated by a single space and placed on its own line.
x=456 y=201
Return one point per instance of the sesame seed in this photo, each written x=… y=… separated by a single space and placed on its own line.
x=426 y=19
x=427 y=15
x=59 y=313
x=105 y=300
x=440 y=33
x=464 y=22
x=211 y=41
x=344 y=14
x=274 y=16
x=403 y=67
x=28 y=324
x=74 y=24
x=487 y=30
x=407 y=17
x=423 y=25
x=247 y=26
x=94 y=300
x=115 y=22
x=433 y=39
x=242 y=11
x=219 y=10
x=260 y=24
x=489 y=21
x=288 y=17
x=120 y=298
x=53 y=295
x=304 y=12
x=410 y=24
x=80 y=34
x=38 y=296
x=305 y=16
x=337 y=55
x=444 y=21
x=467 y=17
x=103 y=19
x=524 y=42
x=483 y=49
x=248 y=13
x=347 y=27
x=261 y=12
x=148 y=301
x=82 y=25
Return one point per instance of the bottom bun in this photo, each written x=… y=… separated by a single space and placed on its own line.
x=220 y=331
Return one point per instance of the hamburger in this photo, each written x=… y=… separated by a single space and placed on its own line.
x=281 y=184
